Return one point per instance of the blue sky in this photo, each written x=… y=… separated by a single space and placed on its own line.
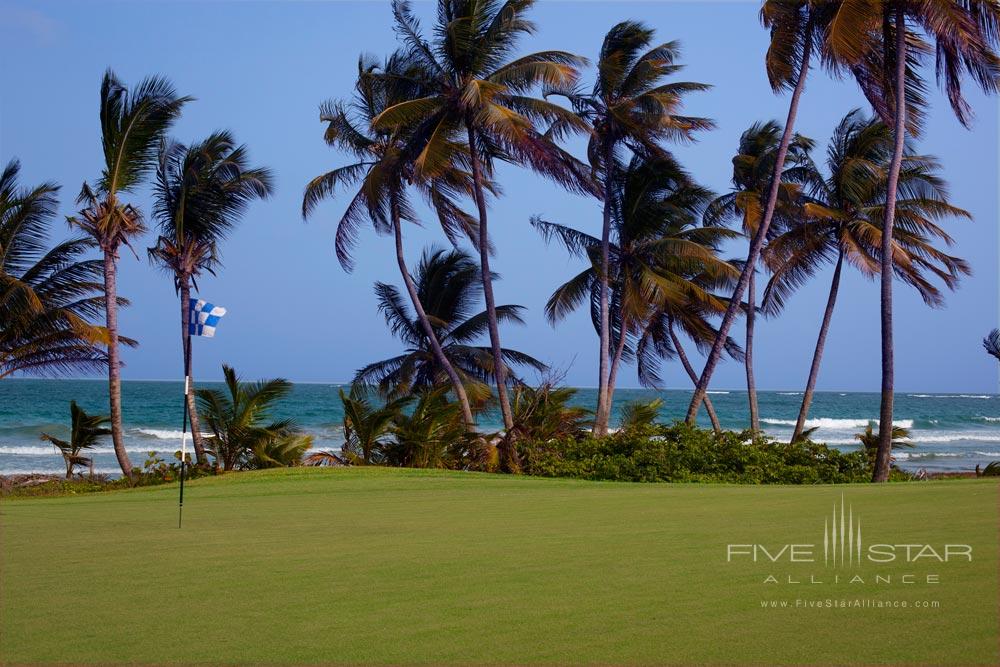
x=262 y=68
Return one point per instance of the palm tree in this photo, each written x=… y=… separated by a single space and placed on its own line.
x=84 y=431
x=477 y=110
x=429 y=435
x=753 y=170
x=200 y=194
x=659 y=257
x=447 y=283
x=992 y=343
x=870 y=440
x=132 y=126
x=382 y=173
x=874 y=44
x=796 y=26
x=842 y=220
x=242 y=437
x=365 y=426
x=48 y=296
x=544 y=413
x=630 y=107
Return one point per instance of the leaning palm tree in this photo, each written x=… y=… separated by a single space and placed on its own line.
x=84 y=432
x=49 y=296
x=630 y=108
x=477 y=109
x=876 y=45
x=382 y=174
x=842 y=221
x=659 y=252
x=753 y=170
x=797 y=28
x=447 y=283
x=132 y=125
x=200 y=194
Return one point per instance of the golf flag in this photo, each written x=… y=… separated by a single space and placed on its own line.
x=204 y=318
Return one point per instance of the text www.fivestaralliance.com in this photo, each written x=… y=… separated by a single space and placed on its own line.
x=849 y=603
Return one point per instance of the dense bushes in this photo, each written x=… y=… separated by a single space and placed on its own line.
x=680 y=453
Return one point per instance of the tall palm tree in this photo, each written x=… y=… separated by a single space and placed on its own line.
x=49 y=296
x=382 y=174
x=875 y=44
x=448 y=284
x=659 y=255
x=478 y=109
x=201 y=192
x=630 y=107
x=753 y=170
x=84 y=432
x=132 y=126
x=842 y=221
x=797 y=28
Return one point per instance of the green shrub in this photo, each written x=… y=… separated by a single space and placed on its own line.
x=681 y=453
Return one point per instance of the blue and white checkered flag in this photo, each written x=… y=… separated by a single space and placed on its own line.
x=204 y=318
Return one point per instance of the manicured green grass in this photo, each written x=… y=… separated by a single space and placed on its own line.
x=403 y=566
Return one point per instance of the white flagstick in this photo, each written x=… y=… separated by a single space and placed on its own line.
x=184 y=435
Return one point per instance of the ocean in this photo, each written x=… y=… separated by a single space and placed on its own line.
x=950 y=431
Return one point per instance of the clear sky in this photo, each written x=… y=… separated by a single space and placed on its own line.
x=262 y=68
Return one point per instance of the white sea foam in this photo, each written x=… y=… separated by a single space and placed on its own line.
x=987 y=453
x=928 y=455
x=42 y=450
x=789 y=393
x=58 y=471
x=166 y=434
x=831 y=423
x=716 y=392
x=982 y=396
x=990 y=419
x=941 y=438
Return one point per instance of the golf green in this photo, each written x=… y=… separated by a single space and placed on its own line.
x=407 y=566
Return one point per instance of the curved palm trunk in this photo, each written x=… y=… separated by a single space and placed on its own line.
x=689 y=369
x=613 y=379
x=508 y=455
x=824 y=328
x=756 y=243
x=884 y=453
x=748 y=359
x=196 y=439
x=439 y=355
x=114 y=363
x=603 y=413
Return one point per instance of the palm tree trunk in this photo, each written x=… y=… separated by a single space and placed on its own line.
x=439 y=355
x=196 y=439
x=709 y=408
x=824 y=328
x=748 y=359
x=613 y=377
x=756 y=243
x=114 y=363
x=508 y=455
x=884 y=453
x=603 y=414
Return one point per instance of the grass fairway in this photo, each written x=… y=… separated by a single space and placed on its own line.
x=403 y=566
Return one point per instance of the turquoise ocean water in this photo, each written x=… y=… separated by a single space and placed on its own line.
x=950 y=431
